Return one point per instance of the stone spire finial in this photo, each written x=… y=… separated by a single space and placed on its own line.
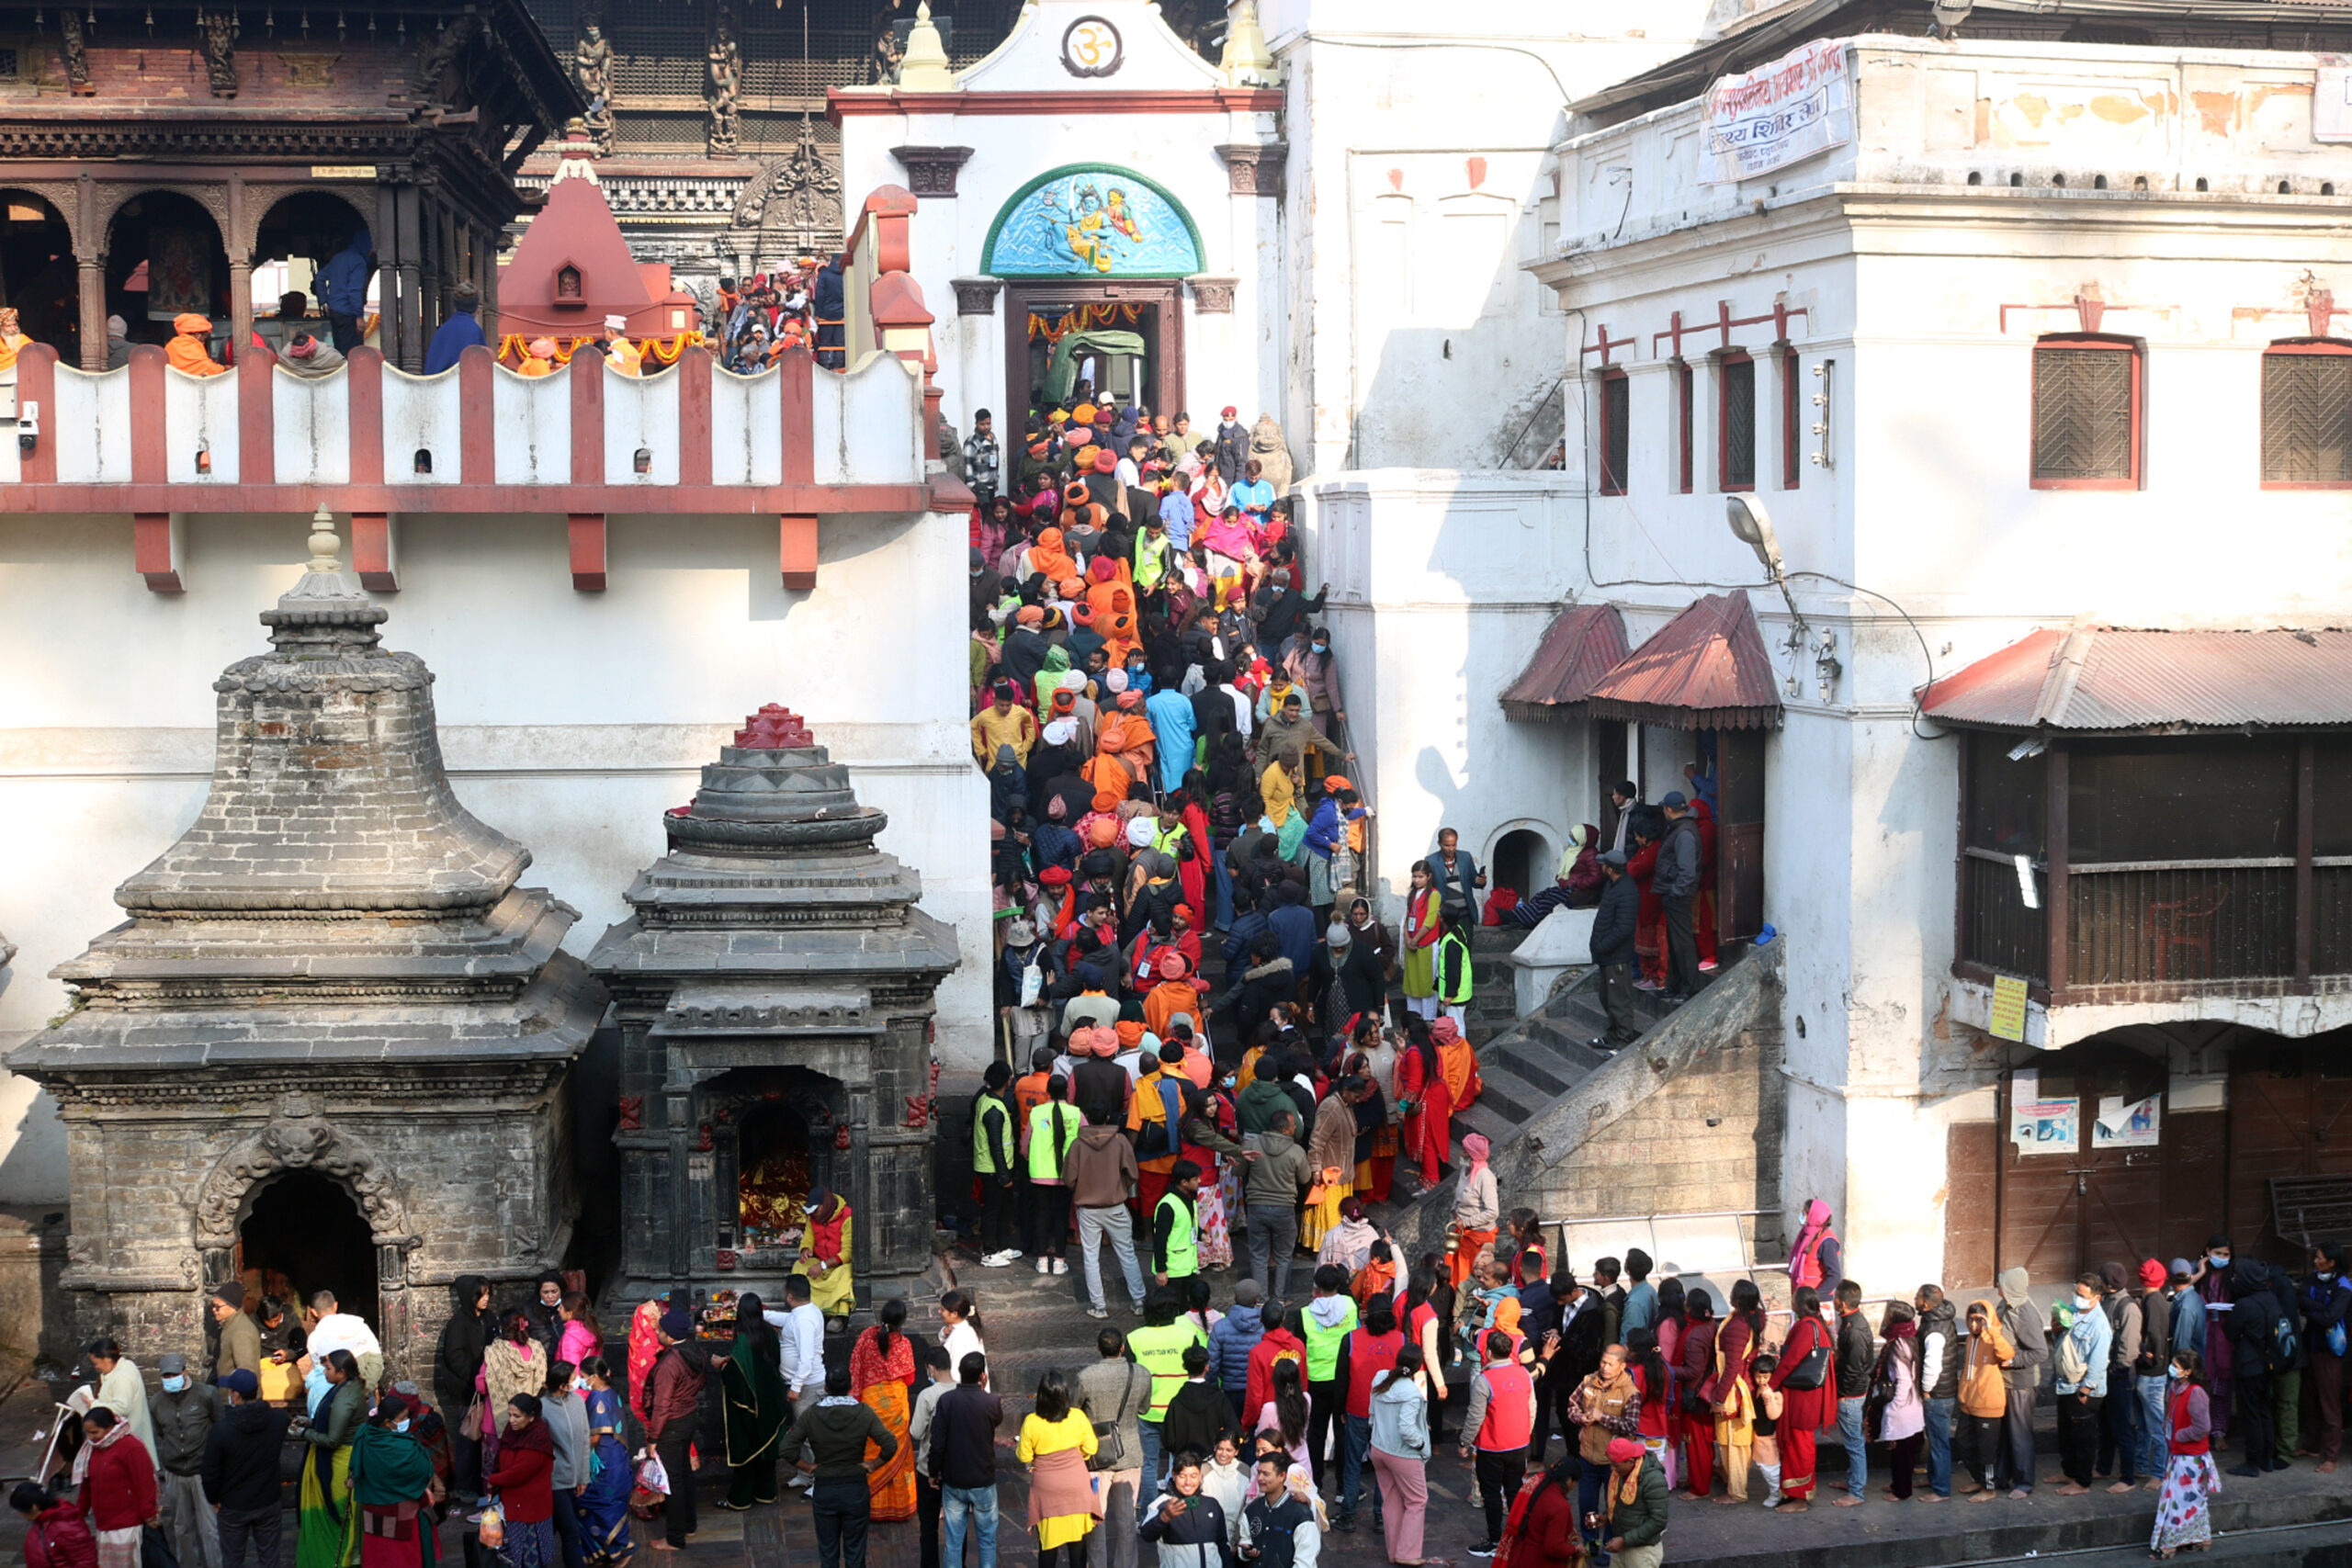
x=924 y=67
x=326 y=544
x=323 y=586
x=1247 y=62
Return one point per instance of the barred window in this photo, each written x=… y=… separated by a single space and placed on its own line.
x=1616 y=431
x=1735 y=422
x=2307 y=414
x=2085 y=413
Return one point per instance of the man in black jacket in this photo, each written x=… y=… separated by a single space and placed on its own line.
x=1677 y=884
x=963 y=1447
x=1857 y=1359
x=240 y=1473
x=1613 y=925
x=463 y=1338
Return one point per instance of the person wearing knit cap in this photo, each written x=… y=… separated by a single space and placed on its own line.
x=1635 y=1514
x=310 y=357
x=118 y=342
x=672 y=1406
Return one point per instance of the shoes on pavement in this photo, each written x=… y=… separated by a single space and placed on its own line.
x=1097 y=1313
x=1483 y=1549
x=1061 y=1265
x=996 y=1260
x=2246 y=1470
x=1042 y=1269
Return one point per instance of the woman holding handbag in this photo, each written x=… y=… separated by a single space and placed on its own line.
x=1803 y=1381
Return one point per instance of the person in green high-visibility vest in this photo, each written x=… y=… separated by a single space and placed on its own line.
x=1175 y=1239
x=1453 y=967
x=1159 y=1348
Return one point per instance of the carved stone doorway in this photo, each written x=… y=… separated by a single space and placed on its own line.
x=303 y=1233
x=1160 y=319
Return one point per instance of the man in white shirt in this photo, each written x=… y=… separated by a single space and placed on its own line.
x=332 y=1328
x=800 y=1335
x=927 y=1499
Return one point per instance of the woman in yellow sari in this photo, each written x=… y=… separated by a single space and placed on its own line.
x=881 y=1368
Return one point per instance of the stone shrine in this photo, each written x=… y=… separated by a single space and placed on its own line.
x=775 y=991
x=332 y=1044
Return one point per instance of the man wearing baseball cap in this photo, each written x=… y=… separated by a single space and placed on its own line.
x=240 y=1473
x=183 y=1411
x=1613 y=951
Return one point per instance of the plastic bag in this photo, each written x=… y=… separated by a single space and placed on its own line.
x=652 y=1476
x=493 y=1525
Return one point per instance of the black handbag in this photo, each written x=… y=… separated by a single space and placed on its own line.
x=1811 y=1373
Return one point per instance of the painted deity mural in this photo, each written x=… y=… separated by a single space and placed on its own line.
x=1092 y=222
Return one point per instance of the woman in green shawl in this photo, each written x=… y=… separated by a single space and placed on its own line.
x=330 y=1525
x=752 y=1379
x=392 y=1482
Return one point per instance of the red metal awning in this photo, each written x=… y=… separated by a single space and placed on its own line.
x=1583 y=643
x=1706 y=669
x=2104 y=680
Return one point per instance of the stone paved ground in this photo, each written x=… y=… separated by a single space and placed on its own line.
x=2305 y=1519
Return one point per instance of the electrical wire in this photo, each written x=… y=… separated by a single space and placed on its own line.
x=1918 y=697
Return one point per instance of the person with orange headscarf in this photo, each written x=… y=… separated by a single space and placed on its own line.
x=1175 y=992
x=190 y=349
x=539 y=358
x=1126 y=735
x=1104 y=808
x=1458 y=1062
x=1477 y=1205
x=1049 y=557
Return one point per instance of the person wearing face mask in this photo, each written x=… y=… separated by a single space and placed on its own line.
x=393 y=1484
x=2081 y=1356
x=2212 y=1279
x=2184 y=1505
x=184 y=1414
x=2327 y=1319
x=1309 y=663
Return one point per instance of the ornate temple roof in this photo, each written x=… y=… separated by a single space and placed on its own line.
x=334 y=901
x=773 y=876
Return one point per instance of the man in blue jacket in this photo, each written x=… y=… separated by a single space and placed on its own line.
x=1231 y=1340
x=342 y=289
x=1613 y=951
x=461 y=332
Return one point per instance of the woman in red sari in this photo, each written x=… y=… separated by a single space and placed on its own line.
x=1428 y=1106
x=1805 y=1410
x=881 y=1369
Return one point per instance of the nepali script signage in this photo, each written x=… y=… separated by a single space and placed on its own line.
x=1800 y=104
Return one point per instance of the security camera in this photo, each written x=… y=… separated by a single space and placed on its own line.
x=27 y=428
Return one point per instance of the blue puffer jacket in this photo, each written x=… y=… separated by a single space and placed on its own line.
x=1236 y=1334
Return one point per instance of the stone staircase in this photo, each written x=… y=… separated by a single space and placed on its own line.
x=1684 y=1121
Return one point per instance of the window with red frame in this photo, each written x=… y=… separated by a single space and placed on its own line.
x=1791 y=460
x=2307 y=415
x=1685 y=415
x=1616 y=431
x=1735 y=421
x=2086 y=413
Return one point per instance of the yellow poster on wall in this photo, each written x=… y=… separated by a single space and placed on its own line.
x=2008 y=1007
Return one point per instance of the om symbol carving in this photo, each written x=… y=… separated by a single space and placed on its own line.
x=1091 y=48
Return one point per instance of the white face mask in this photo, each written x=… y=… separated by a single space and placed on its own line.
x=399 y=1425
x=2084 y=1304
x=174 y=1385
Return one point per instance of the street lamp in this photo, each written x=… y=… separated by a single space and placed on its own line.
x=1753 y=527
x=1949 y=14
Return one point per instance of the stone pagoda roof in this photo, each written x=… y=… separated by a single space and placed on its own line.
x=333 y=902
x=772 y=878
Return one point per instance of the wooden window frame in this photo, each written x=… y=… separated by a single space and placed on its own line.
x=1723 y=362
x=2077 y=343
x=1686 y=395
x=1613 y=482
x=2286 y=347
x=1792 y=450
